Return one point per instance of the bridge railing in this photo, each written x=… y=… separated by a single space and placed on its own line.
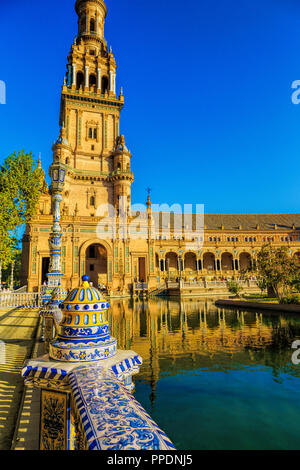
x=108 y=417
x=91 y=408
x=209 y=284
x=20 y=300
x=140 y=286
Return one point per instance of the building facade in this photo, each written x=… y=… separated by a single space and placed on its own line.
x=102 y=237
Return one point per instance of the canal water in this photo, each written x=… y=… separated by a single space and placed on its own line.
x=214 y=378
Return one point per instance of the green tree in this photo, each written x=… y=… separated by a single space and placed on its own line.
x=21 y=182
x=262 y=284
x=234 y=288
x=277 y=269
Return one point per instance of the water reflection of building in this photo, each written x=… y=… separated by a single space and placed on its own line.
x=183 y=328
x=180 y=337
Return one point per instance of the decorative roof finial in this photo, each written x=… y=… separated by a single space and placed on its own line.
x=149 y=203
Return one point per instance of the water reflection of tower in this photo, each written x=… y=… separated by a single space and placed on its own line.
x=154 y=354
x=183 y=322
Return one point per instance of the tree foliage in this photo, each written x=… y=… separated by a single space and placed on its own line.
x=234 y=288
x=278 y=270
x=20 y=187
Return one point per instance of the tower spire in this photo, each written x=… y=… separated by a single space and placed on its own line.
x=91 y=18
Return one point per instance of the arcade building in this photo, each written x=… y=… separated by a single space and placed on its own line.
x=98 y=173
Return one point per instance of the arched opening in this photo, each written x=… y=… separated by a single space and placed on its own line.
x=190 y=261
x=157 y=261
x=104 y=85
x=92 y=80
x=245 y=261
x=92 y=25
x=209 y=261
x=79 y=80
x=227 y=262
x=96 y=264
x=172 y=265
x=119 y=166
x=82 y=25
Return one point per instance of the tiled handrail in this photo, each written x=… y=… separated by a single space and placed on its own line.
x=109 y=417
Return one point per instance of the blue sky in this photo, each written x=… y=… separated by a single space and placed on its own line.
x=208 y=114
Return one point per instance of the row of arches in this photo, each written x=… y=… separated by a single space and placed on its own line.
x=208 y=262
x=80 y=82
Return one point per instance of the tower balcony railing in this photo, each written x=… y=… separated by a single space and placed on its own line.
x=121 y=172
x=95 y=35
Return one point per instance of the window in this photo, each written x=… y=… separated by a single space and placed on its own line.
x=92 y=267
x=92 y=25
x=79 y=80
x=92 y=80
x=92 y=252
x=92 y=201
x=104 y=85
x=92 y=133
x=82 y=25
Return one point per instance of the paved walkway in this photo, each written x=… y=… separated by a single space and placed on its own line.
x=18 y=330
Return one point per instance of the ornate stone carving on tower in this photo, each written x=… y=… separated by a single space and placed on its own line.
x=90 y=115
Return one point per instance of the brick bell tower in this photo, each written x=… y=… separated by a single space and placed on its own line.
x=96 y=157
x=97 y=164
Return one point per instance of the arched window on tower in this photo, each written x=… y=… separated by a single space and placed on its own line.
x=92 y=80
x=82 y=25
x=79 y=80
x=104 y=85
x=92 y=25
x=92 y=201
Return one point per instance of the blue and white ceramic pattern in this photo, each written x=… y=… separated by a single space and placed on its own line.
x=52 y=307
x=111 y=417
x=84 y=334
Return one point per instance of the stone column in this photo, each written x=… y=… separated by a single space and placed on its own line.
x=74 y=75
x=70 y=78
x=112 y=82
x=86 y=76
x=99 y=79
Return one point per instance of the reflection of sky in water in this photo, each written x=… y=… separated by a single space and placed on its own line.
x=214 y=378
